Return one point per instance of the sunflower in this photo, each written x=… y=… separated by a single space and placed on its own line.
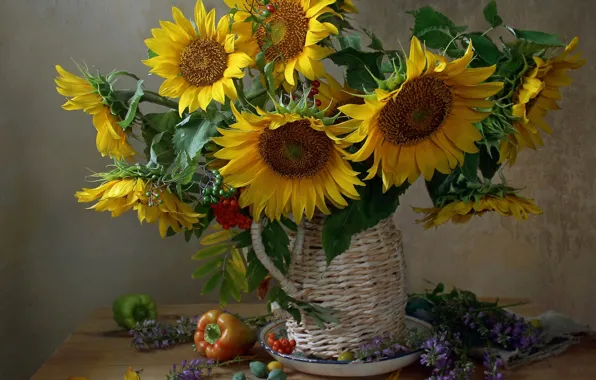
x=199 y=64
x=151 y=201
x=285 y=163
x=295 y=32
x=537 y=94
x=462 y=212
x=426 y=123
x=83 y=95
x=333 y=95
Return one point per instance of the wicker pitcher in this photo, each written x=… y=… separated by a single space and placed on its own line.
x=365 y=286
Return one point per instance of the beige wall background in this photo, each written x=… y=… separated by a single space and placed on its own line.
x=58 y=261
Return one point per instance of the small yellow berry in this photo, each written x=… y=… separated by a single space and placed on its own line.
x=274 y=365
x=346 y=356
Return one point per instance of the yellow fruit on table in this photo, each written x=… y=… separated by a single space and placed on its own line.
x=274 y=365
x=536 y=323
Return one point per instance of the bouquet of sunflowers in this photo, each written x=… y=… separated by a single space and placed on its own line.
x=256 y=130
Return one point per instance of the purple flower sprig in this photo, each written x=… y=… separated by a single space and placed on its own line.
x=445 y=354
x=150 y=334
x=437 y=353
x=492 y=365
x=387 y=346
x=197 y=368
x=503 y=329
x=192 y=370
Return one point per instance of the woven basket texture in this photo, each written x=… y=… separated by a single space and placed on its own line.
x=365 y=287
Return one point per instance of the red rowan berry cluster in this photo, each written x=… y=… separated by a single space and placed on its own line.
x=227 y=214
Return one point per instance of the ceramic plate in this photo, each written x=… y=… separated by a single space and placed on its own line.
x=343 y=369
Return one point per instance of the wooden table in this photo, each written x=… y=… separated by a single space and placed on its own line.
x=95 y=351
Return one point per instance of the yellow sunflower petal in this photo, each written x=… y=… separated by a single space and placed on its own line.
x=200 y=16
x=459 y=65
x=289 y=71
x=417 y=58
x=473 y=76
x=480 y=91
x=462 y=134
x=183 y=22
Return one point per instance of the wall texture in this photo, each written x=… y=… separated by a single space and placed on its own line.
x=58 y=261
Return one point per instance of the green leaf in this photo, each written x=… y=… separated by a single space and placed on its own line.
x=206 y=221
x=255 y=272
x=541 y=38
x=289 y=224
x=154 y=149
x=339 y=228
x=491 y=14
x=242 y=240
x=163 y=149
x=440 y=184
x=162 y=122
x=295 y=313
x=318 y=321
x=428 y=20
x=235 y=283
x=361 y=67
x=151 y=54
x=360 y=79
x=260 y=60
x=208 y=252
x=440 y=288
x=489 y=162
x=193 y=133
x=187 y=235
x=470 y=167
x=276 y=244
x=376 y=43
x=378 y=205
x=514 y=62
x=349 y=40
x=372 y=207
x=436 y=39
x=269 y=68
x=208 y=268
x=212 y=283
x=224 y=293
x=257 y=94
x=485 y=48
x=133 y=104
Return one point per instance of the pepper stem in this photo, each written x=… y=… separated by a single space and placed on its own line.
x=212 y=333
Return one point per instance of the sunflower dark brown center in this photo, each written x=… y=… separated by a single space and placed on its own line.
x=417 y=112
x=203 y=62
x=288 y=29
x=295 y=150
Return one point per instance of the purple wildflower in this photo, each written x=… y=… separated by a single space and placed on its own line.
x=492 y=366
x=387 y=353
x=192 y=370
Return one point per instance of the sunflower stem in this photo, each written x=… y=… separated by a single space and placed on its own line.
x=151 y=97
x=256 y=95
